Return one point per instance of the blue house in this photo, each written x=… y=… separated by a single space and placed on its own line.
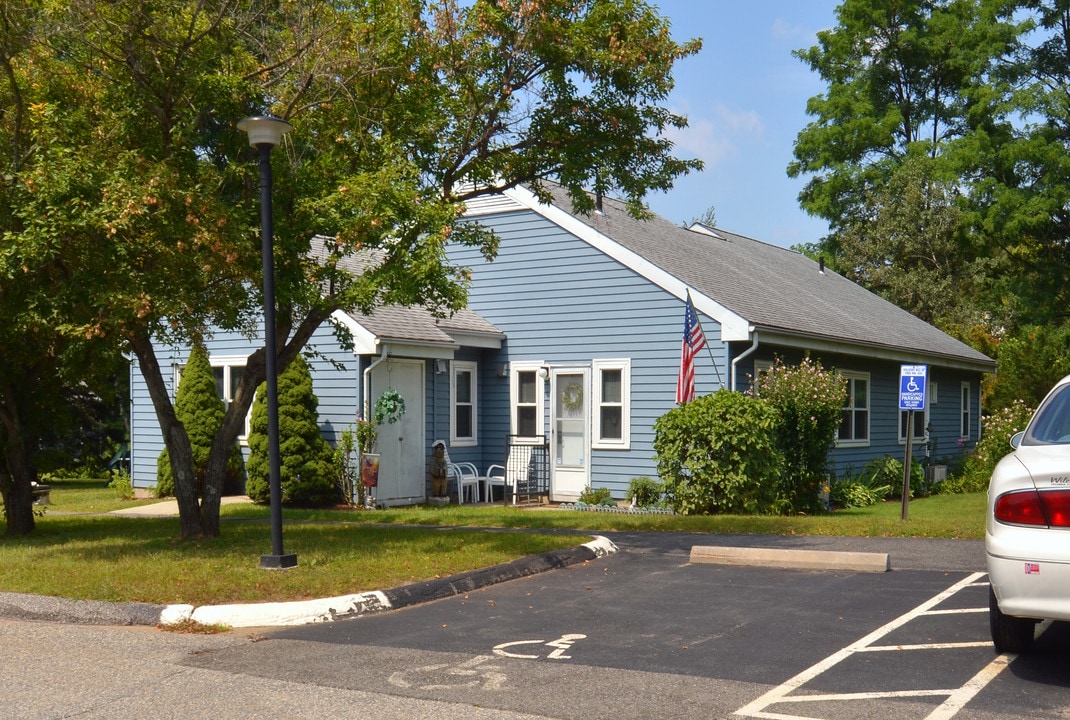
x=571 y=344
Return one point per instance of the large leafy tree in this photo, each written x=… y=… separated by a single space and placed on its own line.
x=402 y=111
x=904 y=78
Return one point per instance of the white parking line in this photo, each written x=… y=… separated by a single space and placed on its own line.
x=956 y=697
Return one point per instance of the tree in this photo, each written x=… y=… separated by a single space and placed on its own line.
x=200 y=410
x=402 y=112
x=707 y=218
x=51 y=357
x=908 y=245
x=306 y=477
x=904 y=78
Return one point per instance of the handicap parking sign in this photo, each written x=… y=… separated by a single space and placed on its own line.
x=912 y=386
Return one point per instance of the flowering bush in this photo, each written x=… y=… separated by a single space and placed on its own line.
x=996 y=432
x=809 y=402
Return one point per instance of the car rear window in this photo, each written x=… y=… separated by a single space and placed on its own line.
x=1051 y=424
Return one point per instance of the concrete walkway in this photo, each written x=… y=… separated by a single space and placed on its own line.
x=169 y=508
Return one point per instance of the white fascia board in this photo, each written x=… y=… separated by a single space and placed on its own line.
x=733 y=327
x=870 y=351
x=367 y=343
x=364 y=341
x=475 y=339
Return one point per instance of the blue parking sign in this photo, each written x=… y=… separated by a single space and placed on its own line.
x=912 y=386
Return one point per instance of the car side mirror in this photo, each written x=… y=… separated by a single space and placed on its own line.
x=1016 y=439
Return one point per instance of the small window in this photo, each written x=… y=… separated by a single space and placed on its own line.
x=921 y=420
x=228 y=372
x=526 y=399
x=854 y=421
x=463 y=394
x=760 y=366
x=965 y=412
x=612 y=420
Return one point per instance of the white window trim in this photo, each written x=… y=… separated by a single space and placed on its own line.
x=473 y=369
x=966 y=392
x=625 y=441
x=226 y=362
x=515 y=368
x=759 y=367
x=856 y=443
x=924 y=424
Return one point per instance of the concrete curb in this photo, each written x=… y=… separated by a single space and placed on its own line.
x=792 y=559
x=305 y=612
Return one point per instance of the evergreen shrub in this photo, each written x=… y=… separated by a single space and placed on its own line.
x=200 y=409
x=307 y=477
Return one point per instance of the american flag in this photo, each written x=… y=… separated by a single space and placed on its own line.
x=693 y=342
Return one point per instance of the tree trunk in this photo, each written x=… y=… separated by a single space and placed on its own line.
x=177 y=441
x=17 y=474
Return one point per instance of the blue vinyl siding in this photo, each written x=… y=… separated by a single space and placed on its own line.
x=944 y=415
x=335 y=381
x=562 y=302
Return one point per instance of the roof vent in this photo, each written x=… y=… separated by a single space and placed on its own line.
x=821 y=264
x=598 y=201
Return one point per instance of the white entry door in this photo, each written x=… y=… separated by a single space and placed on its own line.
x=570 y=440
x=401 y=445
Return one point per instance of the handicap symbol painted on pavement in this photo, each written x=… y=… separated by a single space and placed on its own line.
x=560 y=646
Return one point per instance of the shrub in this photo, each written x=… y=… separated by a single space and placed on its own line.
x=645 y=492
x=121 y=485
x=345 y=472
x=596 y=496
x=718 y=454
x=887 y=472
x=809 y=402
x=307 y=476
x=855 y=494
x=200 y=409
x=996 y=432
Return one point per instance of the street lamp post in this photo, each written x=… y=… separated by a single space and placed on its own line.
x=265 y=132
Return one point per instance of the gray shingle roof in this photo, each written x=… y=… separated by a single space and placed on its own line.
x=396 y=323
x=773 y=288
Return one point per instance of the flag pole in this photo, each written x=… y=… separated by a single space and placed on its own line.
x=708 y=348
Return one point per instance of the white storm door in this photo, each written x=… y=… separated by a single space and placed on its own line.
x=401 y=444
x=570 y=439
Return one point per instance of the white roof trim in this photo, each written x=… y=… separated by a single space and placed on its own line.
x=871 y=352
x=367 y=343
x=364 y=341
x=733 y=327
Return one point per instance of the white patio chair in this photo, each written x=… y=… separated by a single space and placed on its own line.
x=467 y=479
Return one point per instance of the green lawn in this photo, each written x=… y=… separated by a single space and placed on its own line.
x=78 y=553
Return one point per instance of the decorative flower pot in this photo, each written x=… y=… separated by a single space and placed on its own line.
x=369 y=469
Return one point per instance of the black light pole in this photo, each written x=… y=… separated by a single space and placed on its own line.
x=265 y=132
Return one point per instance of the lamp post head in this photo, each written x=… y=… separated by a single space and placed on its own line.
x=264 y=129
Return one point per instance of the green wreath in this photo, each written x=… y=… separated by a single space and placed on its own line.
x=572 y=396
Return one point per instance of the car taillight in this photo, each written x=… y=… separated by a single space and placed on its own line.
x=1050 y=508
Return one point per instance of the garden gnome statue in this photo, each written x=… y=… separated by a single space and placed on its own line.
x=439 y=469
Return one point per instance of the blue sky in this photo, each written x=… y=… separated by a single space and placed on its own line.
x=745 y=98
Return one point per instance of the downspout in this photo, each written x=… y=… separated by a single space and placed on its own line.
x=745 y=353
x=384 y=353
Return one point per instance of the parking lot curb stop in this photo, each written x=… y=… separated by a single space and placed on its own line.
x=791 y=558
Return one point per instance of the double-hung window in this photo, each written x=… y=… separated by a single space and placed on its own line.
x=228 y=372
x=854 y=420
x=612 y=419
x=463 y=393
x=526 y=392
x=965 y=411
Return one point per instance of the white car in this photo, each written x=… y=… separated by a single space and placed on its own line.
x=1027 y=533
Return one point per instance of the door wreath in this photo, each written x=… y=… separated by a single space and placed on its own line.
x=572 y=396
